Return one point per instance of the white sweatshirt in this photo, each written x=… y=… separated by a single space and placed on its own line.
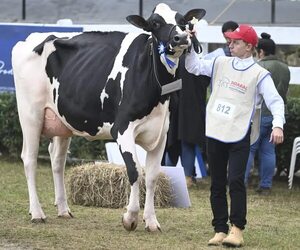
x=266 y=89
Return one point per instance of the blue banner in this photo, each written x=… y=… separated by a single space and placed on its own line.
x=9 y=36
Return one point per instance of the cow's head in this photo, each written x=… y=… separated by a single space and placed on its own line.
x=168 y=31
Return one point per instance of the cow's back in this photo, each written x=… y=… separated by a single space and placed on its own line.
x=28 y=66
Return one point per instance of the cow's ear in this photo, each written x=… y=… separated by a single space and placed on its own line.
x=197 y=13
x=138 y=21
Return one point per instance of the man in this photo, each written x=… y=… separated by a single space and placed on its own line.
x=280 y=74
x=187 y=125
x=238 y=84
x=228 y=26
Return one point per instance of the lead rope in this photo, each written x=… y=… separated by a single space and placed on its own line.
x=154 y=63
x=153 y=55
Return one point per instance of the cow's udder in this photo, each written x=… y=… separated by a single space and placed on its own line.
x=53 y=125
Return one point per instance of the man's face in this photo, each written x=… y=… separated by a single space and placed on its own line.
x=240 y=49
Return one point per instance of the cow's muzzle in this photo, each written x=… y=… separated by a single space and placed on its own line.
x=181 y=41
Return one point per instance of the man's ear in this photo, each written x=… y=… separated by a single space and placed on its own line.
x=250 y=47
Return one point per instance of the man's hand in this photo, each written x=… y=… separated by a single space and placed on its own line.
x=276 y=136
x=191 y=33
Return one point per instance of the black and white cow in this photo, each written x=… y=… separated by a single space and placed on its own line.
x=100 y=85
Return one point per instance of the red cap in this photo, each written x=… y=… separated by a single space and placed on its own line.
x=244 y=32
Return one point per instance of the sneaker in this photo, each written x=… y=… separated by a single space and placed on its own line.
x=234 y=238
x=217 y=239
x=263 y=191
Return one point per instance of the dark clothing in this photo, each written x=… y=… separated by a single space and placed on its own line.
x=192 y=106
x=187 y=118
x=227 y=163
x=187 y=158
x=280 y=74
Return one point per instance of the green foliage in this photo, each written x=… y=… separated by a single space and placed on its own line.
x=10 y=130
x=291 y=130
x=84 y=149
x=294 y=90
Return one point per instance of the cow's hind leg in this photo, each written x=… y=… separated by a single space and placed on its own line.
x=152 y=170
x=130 y=218
x=31 y=128
x=58 y=152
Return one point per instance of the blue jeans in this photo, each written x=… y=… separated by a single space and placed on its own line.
x=188 y=155
x=266 y=154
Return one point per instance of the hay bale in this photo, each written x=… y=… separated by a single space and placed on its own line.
x=106 y=185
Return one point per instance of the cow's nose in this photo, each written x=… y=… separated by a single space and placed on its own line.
x=180 y=39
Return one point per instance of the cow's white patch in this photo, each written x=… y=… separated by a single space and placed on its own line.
x=103 y=95
x=148 y=130
x=104 y=131
x=56 y=87
x=163 y=9
x=102 y=134
x=118 y=64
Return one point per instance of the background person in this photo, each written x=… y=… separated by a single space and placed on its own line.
x=187 y=122
x=238 y=85
x=280 y=74
x=228 y=26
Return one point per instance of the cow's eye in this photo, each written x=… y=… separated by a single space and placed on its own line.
x=155 y=25
x=182 y=27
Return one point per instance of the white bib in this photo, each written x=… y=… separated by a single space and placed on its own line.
x=232 y=101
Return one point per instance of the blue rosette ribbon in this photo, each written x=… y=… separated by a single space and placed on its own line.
x=162 y=52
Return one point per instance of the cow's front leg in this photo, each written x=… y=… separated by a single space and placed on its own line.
x=130 y=218
x=149 y=217
x=152 y=171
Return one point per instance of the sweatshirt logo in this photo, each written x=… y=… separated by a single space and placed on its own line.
x=232 y=85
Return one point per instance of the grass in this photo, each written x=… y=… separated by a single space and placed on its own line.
x=273 y=221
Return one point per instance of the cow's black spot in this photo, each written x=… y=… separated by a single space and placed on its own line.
x=54 y=95
x=131 y=167
x=81 y=65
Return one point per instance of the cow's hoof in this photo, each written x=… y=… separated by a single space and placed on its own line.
x=38 y=220
x=153 y=229
x=129 y=225
x=67 y=215
x=152 y=225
